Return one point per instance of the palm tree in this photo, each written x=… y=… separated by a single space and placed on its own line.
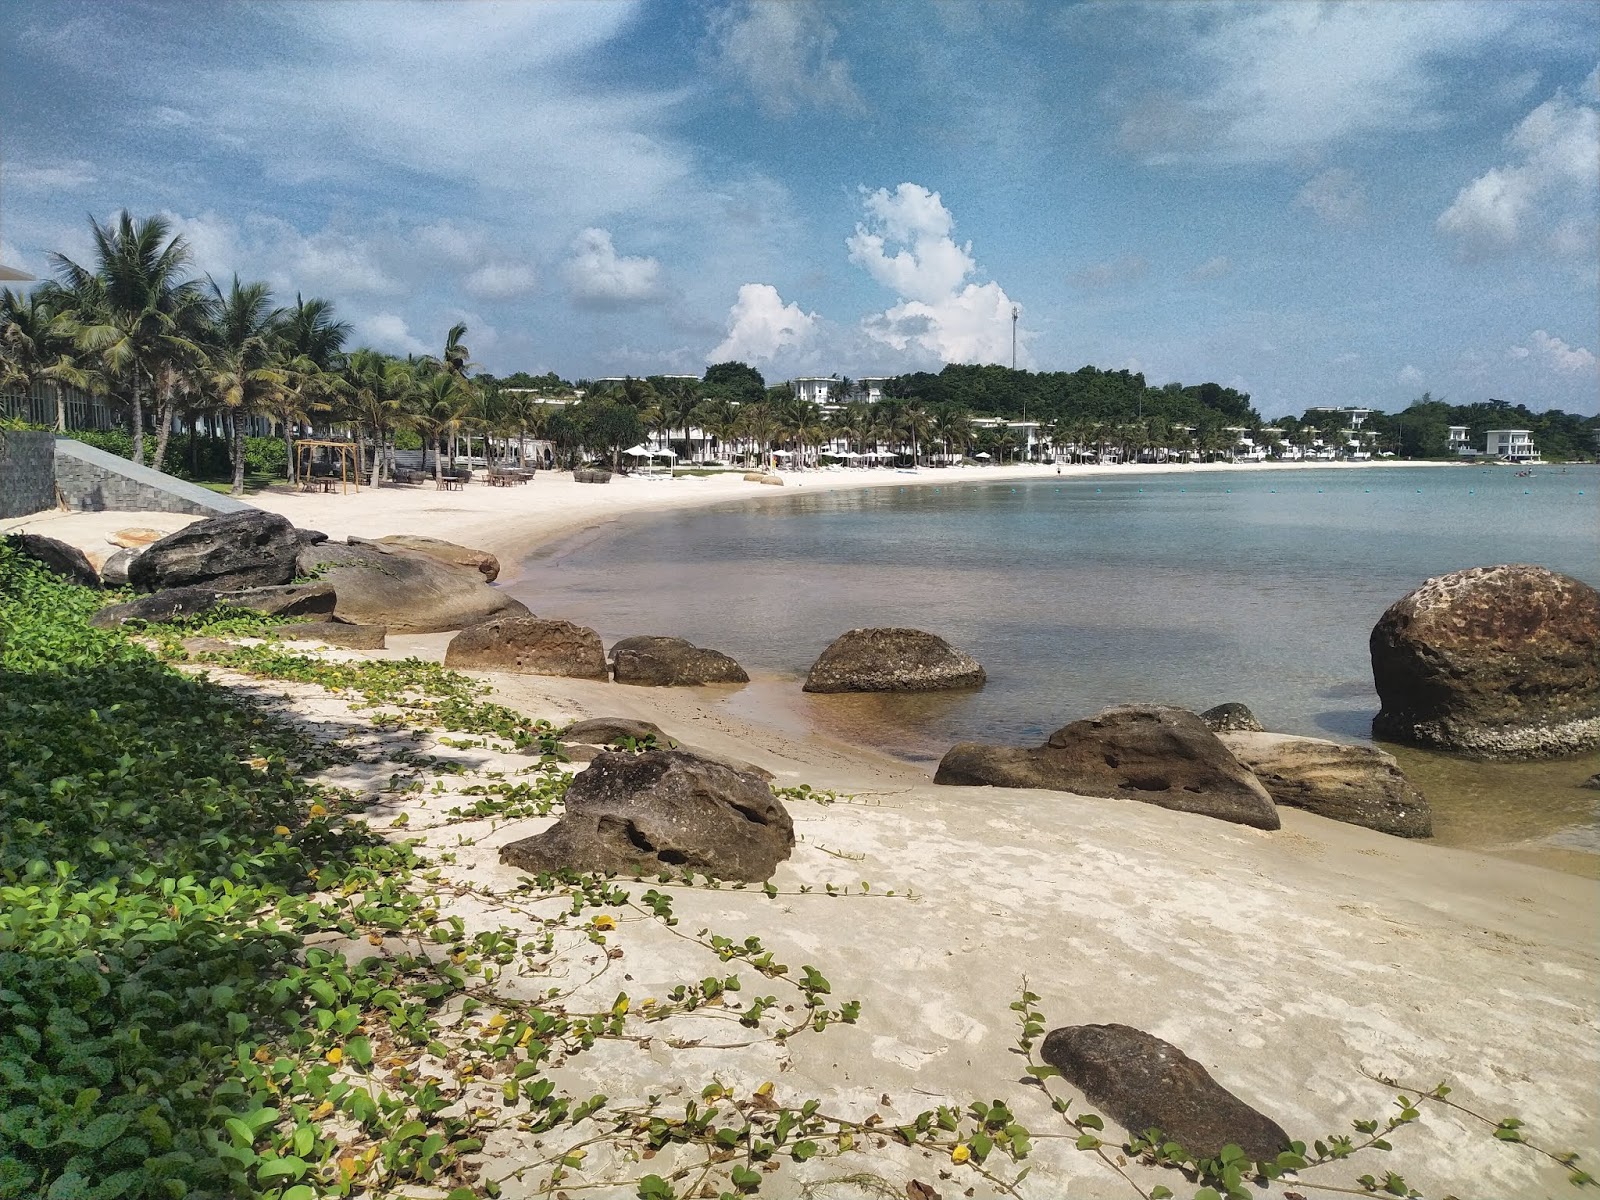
x=245 y=368
x=953 y=427
x=36 y=347
x=440 y=407
x=719 y=417
x=915 y=423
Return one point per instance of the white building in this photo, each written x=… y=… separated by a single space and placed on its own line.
x=1459 y=442
x=872 y=386
x=1513 y=445
x=818 y=389
x=1356 y=416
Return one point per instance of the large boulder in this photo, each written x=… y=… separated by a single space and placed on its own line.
x=401 y=589
x=892 y=660
x=1497 y=662
x=1142 y=1082
x=114 y=571
x=671 y=662
x=481 y=561
x=529 y=646
x=662 y=810
x=1231 y=717
x=57 y=557
x=607 y=731
x=285 y=600
x=1160 y=755
x=158 y=608
x=239 y=550
x=1360 y=785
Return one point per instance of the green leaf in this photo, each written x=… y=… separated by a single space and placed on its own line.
x=1160 y=1192
x=1090 y=1121
x=290 y=1167
x=360 y=1049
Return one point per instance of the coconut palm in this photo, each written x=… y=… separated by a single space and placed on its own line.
x=37 y=346
x=440 y=406
x=914 y=424
x=245 y=368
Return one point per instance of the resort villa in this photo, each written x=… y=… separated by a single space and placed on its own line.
x=1513 y=445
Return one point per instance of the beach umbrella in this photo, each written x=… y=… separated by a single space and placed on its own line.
x=983 y=454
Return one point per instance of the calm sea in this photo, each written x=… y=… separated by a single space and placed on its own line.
x=1187 y=589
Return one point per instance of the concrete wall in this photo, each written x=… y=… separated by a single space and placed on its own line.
x=93 y=480
x=27 y=472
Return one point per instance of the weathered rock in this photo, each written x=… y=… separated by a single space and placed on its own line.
x=1231 y=717
x=671 y=662
x=771 y=480
x=591 y=475
x=1160 y=755
x=336 y=633
x=138 y=536
x=1592 y=782
x=285 y=600
x=1142 y=1082
x=310 y=537
x=892 y=660
x=529 y=646
x=207 y=645
x=56 y=556
x=580 y=752
x=607 y=731
x=114 y=571
x=403 y=590
x=157 y=608
x=239 y=550
x=1498 y=662
x=662 y=810
x=481 y=561
x=1360 y=785
x=755 y=476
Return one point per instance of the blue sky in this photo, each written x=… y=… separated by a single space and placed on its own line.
x=1316 y=203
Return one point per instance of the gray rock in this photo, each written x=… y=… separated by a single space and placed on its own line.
x=892 y=660
x=336 y=633
x=1360 y=785
x=286 y=600
x=1142 y=1082
x=671 y=662
x=310 y=537
x=239 y=550
x=662 y=810
x=158 y=608
x=114 y=574
x=57 y=557
x=607 y=731
x=1592 y=782
x=582 y=752
x=529 y=646
x=1231 y=717
x=405 y=591
x=449 y=553
x=1159 y=755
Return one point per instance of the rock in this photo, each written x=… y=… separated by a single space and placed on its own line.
x=139 y=536
x=57 y=557
x=755 y=476
x=772 y=480
x=403 y=590
x=336 y=633
x=285 y=600
x=1360 y=785
x=892 y=660
x=1160 y=755
x=607 y=731
x=481 y=561
x=114 y=573
x=662 y=810
x=1497 y=662
x=207 y=645
x=591 y=475
x=529 y=646
x=1592 y=782
x=581 y=752
x=1231 y=718
x=310 y=537
x=157 y=608
x=1142 y=1083
x=239 y=550
x=671 y=662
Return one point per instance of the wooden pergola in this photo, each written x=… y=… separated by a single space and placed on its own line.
x=304 y=450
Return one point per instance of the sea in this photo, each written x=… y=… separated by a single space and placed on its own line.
x=1077 y=593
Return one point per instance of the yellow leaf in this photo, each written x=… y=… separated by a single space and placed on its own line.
x=258 y=763
x=318 y=810
x=497 y=1021
x=527 y=1036
x=605 y=921
x=322 y=1110
x=960 y=1154
x=620 y=1008
x=335 y=1055
x=281 y=830
x=262 y=1054
x=375 y=939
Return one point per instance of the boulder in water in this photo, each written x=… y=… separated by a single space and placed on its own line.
x=671 y=662
x=892 y=660
x=1360 y=785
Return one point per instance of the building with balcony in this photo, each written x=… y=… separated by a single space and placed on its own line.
x=1513 y=445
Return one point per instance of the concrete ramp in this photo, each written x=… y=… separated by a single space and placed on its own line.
x=92 y=480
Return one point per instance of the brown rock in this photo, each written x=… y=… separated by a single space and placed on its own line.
x=608 y=731
x=139 y=535
x=207 y=645
x=671 y=662
x=529 y=646
x=1498 y=662
x=1142 y=1082
x=405 y=591
x=892 y=660
x=57 y=557
x=336 y=633
x=481 y=561
x=1360 y=785
x=662 y=810
x=1160 y=755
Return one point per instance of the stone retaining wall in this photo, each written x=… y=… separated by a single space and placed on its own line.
x=27 y=472
x=92 y=480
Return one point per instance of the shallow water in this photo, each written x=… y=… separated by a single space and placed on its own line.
x=1184 y=589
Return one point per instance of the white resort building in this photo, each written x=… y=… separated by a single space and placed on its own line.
x=1513 y=445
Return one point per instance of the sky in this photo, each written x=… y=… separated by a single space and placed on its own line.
x=1339 y=203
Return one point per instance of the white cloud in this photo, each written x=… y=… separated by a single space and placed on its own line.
x=1213 y=268
x=1548 y=187
x=1336 y=195
x=263 y=247
x=1558 y=355
x=939 y=314
x=500 y=281
x=1409 y=376
x=761 y=326
x=57 y=177
x=387 y=331
x=1518 y=352
x=784 y=54
x=599 y=277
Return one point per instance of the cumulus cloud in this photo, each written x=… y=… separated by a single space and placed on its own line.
x=269 y=248
x=1336 y=195
x=500 y=281
x=387 y=331
x=1130 y=268
x=906 y=245
x=1547 y=189
x=598 y=277
x=784 y=54
x=1554 y=353
x=761 y=326
x=1219 y=267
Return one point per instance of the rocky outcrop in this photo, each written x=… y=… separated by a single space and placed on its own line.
x=892 y=660
x=1163 y=756
x=402 y=590
x=481 y=561
x=336 y=633
x=1142 y=1082
x=157 y=608
x=662 y=810
x=1360 y=785
x=1231 y=717
x=1497 y=662
x=671 y=662
x=239 y=550
x=529 y=646
x=57 y=557
x=286 y=600
x=591 y=475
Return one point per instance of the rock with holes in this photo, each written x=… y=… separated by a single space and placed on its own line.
x=662 y=810
x=1231 y=717
x=157 y=608
x=1360 y=785
x=1160 y=755
x=529 y=646
x=403 y=590
x=1142 y=1082
x=239 y=550
x=671 y=662
x=892 y=660
x=57 y=557
x=1498 y=662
